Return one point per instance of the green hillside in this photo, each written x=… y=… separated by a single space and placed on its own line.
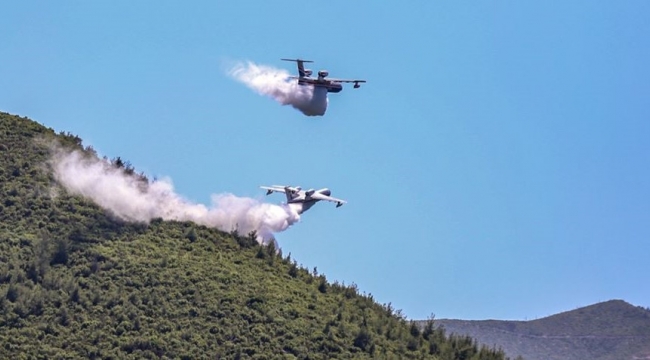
x=611 y=330
x=77 y=283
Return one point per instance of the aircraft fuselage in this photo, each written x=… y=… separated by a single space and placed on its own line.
x=332 y=87
x=302 y=201
x=301 y=206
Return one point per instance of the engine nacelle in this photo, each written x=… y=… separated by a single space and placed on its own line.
x=325 y=191
x=310 y=192
x=323 y=73
x=308 y=72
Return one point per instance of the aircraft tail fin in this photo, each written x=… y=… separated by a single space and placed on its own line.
x=290 y=192
x=301 y=66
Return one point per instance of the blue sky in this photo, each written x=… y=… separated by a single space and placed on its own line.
x=496 y=163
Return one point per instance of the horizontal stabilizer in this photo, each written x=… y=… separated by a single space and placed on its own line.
x=298 y=60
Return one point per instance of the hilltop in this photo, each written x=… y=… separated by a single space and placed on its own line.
x=611 y=330
x=77 y=282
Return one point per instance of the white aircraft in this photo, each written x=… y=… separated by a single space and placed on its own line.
x=302 y=200
x=332 y=85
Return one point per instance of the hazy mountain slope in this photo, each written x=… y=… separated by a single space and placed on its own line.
x=76 y=283
x=612 y=330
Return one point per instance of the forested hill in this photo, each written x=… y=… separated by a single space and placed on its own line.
x=611 y=330
x=76 y=283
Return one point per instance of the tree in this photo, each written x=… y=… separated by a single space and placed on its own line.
x=293 y=270
x=191 y=235
x=322 y=286
x=60 y=254
x=261 y=252
x=12 y=293
x=117 y=162
x=363 y=339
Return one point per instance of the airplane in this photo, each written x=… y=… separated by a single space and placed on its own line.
x=302 y=200
x=332 y=85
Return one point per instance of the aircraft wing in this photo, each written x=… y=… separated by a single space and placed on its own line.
x=346 y=81
x=274 y=188
x=281 y=188
x=319 y=196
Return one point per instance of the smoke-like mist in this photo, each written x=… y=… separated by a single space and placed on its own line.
x=269 y=81
x=130 y=198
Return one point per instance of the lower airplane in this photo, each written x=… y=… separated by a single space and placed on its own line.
x=332 y=85
x=303 y=200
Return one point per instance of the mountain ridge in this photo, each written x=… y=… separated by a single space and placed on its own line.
x=607 y=330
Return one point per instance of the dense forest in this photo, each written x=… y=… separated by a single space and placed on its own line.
x=75 y=282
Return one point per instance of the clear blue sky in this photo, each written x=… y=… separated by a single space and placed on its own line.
x=496 y=164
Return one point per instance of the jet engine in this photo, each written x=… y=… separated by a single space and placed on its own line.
x=308 y=72
x=323 y=73
x=309 y=193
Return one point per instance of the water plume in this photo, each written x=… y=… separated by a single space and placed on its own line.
x=132 y=198
x=277 y=84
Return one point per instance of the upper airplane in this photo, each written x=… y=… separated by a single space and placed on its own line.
x=332 y=85
x=302 y=200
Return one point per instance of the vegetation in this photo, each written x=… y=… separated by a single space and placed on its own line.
x=77 y=283
x=609 y=330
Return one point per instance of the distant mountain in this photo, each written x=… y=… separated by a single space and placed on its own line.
x=611 y=330
x=77 y=283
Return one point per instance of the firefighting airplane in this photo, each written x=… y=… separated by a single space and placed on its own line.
x=332 y=85
x=302 y=200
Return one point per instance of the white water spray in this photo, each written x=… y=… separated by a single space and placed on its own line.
x=129 y=198
x=269 y=81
